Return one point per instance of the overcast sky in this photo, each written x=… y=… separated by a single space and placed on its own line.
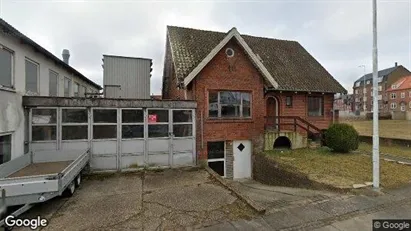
x=337 y=33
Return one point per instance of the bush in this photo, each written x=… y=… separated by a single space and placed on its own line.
x=342 y=138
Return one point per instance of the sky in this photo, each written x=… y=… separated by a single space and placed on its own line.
x=337 y=33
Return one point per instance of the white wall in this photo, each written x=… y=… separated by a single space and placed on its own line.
x=11 y=111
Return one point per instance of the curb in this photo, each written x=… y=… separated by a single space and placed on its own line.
x=234 y=190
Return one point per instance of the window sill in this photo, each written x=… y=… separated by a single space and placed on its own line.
x=229 y=120
x=9 y=89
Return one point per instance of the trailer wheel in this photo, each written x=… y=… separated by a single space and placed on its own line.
x=78 y=180
x=70 y=190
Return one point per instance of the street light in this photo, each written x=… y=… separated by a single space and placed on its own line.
x=375 y=135
x=363 y=90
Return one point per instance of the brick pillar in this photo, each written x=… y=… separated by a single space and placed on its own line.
x=229 y=159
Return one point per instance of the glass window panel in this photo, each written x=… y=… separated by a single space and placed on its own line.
x=157 y=116
x=31 y=76
x=67 y=87
x=213 y=104
x=230 y=97
x=104 y=131
x=315 y=106
x=158 y=130
x=182 y=116
x=76 y=89
x=43 y=133
x=182 y=130
x=75 y=116
x=246 y=104
x=6 y=59
x=75 y=132
x=44 y=116
x=132 y=131
x=217 y=166
x=53 y=83
x=230 y=110
x=215 y=150
x=5 y=149
x=104 y=116
x=132 y=116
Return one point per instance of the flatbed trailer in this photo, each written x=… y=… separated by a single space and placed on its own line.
x=40 y=176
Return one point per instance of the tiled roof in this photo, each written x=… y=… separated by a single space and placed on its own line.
x=402 y=84
x=7 y=28
x=291 y=66
x=381 y=73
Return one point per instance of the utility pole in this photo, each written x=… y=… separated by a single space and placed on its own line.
x=375 y=136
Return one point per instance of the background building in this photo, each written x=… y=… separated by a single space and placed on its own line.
x=126 y=77
x=399 y=98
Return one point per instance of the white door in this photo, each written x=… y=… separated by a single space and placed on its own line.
x=242 y=159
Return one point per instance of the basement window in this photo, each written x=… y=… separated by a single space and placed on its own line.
x=216 y=156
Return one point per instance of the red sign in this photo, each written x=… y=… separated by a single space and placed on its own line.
x=152 y=118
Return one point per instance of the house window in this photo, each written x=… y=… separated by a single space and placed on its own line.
x=357 y=84
x=183 y=123
x=5 y=148
x=356 y=91
x=393 y=105
x=132 y=123
x=216 y=156
x=315 y=106
x=402 y=95
x=74 y=124
x=83 y=90
x=67 y=87
x=379 y=88
x=53 y=83
x=379 y=79
x=393 y=96
x=289 y=101
x=364 y=90
x=44 y=124
x=402 y=106
x=368 y=82
x=32 y=75
x=365 y=98
x=6 y=67
x=104 y=123
x=76 y=89
x=158 y=123
x=229 y=104
x=409 y=94
x=409 y=104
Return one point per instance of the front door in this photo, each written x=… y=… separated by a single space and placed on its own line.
x=272 y=111
x=242 y=159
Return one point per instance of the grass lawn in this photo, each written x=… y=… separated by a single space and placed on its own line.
x=400 y=129
x=391 y=150
x=342 y=170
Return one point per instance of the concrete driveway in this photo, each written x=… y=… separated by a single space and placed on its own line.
x=165 y=200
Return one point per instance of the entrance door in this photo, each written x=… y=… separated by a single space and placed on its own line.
x=272 y=111
x=242 y=159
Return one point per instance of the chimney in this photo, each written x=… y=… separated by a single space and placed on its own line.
x=396 y=64
x=66 y=55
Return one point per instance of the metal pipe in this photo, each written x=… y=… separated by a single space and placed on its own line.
x=375 y=135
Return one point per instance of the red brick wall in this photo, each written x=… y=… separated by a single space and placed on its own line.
x=398 y=100
x=217 y=76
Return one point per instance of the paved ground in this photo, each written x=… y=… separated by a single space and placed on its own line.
x=329 y=212
x=168 y=200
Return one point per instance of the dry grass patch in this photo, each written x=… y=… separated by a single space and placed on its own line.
x=340 y=170
x=393 y=150
x=397 y=129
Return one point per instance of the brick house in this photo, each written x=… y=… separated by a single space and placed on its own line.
x=399 y=97
x=344 y=103
x=386 y=77
x=244 y=86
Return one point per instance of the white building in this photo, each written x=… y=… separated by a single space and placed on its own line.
x=26 y=68
x=126 y=77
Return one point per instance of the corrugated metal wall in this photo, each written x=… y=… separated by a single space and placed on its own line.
x=126 y=77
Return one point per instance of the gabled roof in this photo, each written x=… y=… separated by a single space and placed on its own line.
x=402 y=84
x=381 y=73
x=290 y=66
x=7 y=28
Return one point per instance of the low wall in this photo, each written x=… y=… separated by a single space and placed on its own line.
x=398 y=115
x=387 y=141
x=267 y=171
x=296 y=139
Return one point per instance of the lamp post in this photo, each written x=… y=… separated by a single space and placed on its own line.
x=375 y=135
x=363 y=89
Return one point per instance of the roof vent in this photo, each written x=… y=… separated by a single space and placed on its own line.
x=396 y=64
x=66 y=55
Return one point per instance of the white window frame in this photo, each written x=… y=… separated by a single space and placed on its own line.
x=12 y=67
x=133 y=123
x=70 y=85
x=364 y=91
x=220 y=159
x=368 y=82
x=105 y=123
x=380 y=88
x=43 y=125
x=402 y=107
x=219 y=105
x=402 y=95
x=58 y=84
x=393 y=95
x=357 y=84
x=393 y=105
x=184 y=123
x=76 y=94
x=38 y=75
x=74 y=124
